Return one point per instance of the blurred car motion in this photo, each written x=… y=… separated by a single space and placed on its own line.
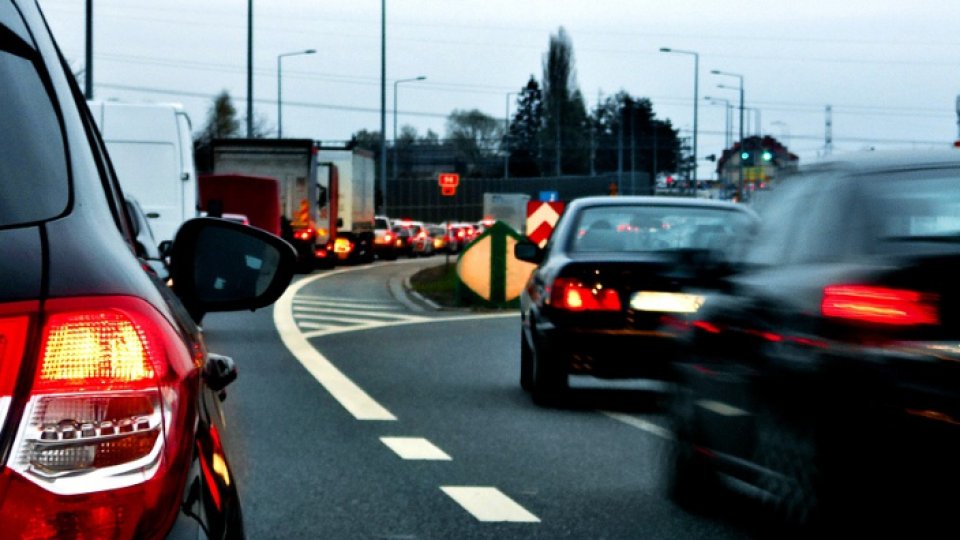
x=614 y=267
x=823 y=380
x=110 y=415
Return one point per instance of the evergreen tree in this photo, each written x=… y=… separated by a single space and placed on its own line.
x=565 y=133
x=523 y=140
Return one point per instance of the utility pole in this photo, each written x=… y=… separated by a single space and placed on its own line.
x=383 y=105
x=249 y=69
x=88 y=68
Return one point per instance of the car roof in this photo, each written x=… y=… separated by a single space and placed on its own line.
x=879 y=161
x=650 y=200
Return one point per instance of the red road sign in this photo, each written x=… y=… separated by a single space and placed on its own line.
x=448 y=191
x=448 y=179
x=541 y=218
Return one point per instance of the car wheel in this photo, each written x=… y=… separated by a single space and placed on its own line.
x=526 y=364
x=548 y=381
x=792 y=476
x=688 y=479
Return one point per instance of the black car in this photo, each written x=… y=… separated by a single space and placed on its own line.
x=824 y=381
x=613 y=269
x=110 y=420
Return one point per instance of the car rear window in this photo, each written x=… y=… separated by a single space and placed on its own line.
x=659 y=227
x=913 y=211
x=33 y=168
x=380 y=223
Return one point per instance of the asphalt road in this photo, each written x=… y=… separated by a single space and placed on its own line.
x=398 y=422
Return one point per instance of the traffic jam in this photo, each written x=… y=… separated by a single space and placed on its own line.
x=205 y=344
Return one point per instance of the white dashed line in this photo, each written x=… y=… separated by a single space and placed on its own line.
x=489 y=504
x=415 y=448
x=721 y=408
x=641 y=424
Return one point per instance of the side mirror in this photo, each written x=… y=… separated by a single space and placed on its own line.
x=525 y=250
x=219 y=265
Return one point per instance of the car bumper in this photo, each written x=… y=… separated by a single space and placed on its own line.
x=608 y=353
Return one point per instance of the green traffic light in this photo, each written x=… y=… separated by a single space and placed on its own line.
x=744 y=155
x=767 y=156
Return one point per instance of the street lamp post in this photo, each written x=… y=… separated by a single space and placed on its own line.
x=506 y=134
x=395 y=84
x=728 y=122
x=696 y=103
x=740 y=88
x=280 y=88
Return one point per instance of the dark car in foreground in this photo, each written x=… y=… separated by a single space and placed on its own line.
x=824 y=381
x=613 y=269
x=110 y=418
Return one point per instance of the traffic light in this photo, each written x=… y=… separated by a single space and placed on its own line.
x=767 y=155
x=746 y=158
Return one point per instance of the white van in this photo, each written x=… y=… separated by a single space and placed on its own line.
x=151 y=147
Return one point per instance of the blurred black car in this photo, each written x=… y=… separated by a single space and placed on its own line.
x=612 y=270
x=825 y=381
x=110 y=418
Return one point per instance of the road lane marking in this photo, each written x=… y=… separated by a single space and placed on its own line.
x=641 y=424
x=489 y=504
x=350 y=396
x=367 y=315
x=415 y=448
x=723 y=409
x=358 y=305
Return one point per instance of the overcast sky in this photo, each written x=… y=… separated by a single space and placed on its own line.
x=889 y=69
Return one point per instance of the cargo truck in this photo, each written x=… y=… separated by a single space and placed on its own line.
x=355 y=172
x=255 y=197
x=304 y=212
x=326 y=193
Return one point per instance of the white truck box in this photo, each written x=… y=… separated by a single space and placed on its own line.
x=151 y=148
x=510 y=208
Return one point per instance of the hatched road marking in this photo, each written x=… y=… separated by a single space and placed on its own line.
x=415 y=448
x=489 y=504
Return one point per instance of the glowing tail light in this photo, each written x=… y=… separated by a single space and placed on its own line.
x=880 y=305
x=572 y=295
x=100 y=445
x=305 y=234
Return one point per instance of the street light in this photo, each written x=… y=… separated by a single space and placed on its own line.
x=280 y=88
x=395 y=84
x=506 y=134
x=728 y=122
x=740 y=89
x=696 y=103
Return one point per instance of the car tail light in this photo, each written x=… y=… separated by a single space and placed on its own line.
x=305 y=234
x=102 y=447
x=387 y=238
x=880 y=305
x=571 y=294
x=342 y=245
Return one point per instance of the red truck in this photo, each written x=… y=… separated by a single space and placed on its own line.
x=256 y=197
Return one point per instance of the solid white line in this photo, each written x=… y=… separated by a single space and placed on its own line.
x=310 y=325
x=415 y=448
x=351 y=396
x=640 y=423
x=388 y=315
x=489 y=504
x=339 y=299
x=300 y=303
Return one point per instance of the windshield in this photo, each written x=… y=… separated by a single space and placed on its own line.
x=656 y=228
x=914 y=209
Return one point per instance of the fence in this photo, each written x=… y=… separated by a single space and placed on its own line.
x=420 y=198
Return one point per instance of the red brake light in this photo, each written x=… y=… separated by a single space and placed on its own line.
x=573 y=295
x=305 y=234
x=879 y=305
x=101 y=437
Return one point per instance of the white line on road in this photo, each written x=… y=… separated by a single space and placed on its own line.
x=489 y=504
x=640 y=423
x=351 y=396
x=415 y=448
